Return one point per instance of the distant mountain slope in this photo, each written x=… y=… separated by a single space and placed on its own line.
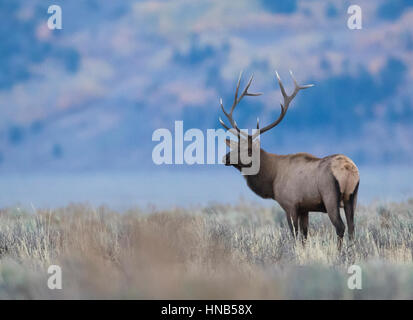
x=89 y=96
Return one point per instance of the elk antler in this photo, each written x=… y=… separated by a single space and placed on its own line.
x=285 y=105
x=237 y=100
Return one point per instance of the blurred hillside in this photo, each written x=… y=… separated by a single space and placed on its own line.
x=89 y=96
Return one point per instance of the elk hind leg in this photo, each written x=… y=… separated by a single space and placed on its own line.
x=332 y=203
x=349 y=209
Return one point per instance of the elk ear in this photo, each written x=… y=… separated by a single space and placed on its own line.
x=231 y=144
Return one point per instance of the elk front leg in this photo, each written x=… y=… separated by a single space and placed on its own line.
x=292 y=219
x=303 y=218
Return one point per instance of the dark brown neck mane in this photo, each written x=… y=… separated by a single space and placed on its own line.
x=262 y=183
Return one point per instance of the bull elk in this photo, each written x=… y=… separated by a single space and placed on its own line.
x=299 y=182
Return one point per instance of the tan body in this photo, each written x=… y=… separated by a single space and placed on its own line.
x=299 y=182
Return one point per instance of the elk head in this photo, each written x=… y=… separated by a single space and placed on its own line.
x=243 y=151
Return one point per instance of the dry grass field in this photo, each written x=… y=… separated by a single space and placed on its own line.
x=220 y=251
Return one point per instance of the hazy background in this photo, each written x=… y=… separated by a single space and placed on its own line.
x=78 y=106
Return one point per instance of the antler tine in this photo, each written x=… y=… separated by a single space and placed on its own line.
x=235 y=130
x=281 y=85
x=286 y=103
x=237 y=100
x=238 y=129
x=223 y=109
x=244 y=92
x=234 y=104
x=305 y=86
x=233 y=123
x=297 y=87
x=223 y=123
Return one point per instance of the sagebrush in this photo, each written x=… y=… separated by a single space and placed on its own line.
x=242 y=251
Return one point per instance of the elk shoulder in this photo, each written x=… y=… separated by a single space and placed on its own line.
x=303 y=156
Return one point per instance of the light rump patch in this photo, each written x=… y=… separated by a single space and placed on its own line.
x=346 y=173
